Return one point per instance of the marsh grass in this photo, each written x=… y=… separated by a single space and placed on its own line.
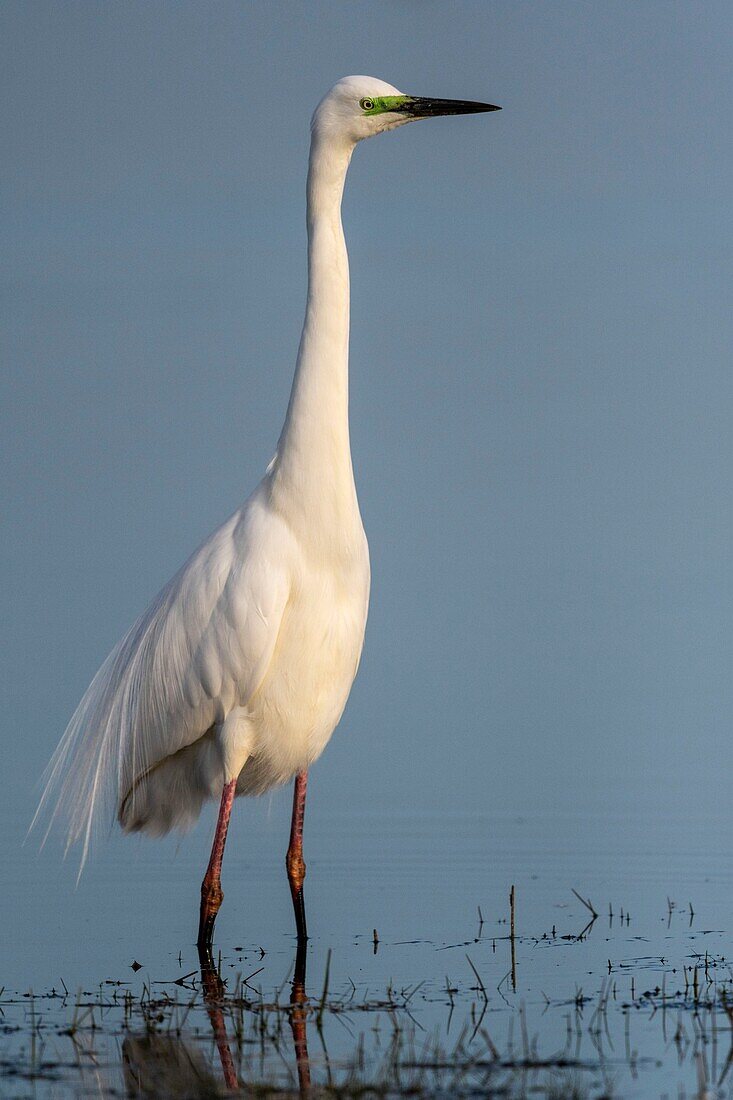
x=199 y=1035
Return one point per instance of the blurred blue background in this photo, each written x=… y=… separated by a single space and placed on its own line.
x=541 y=374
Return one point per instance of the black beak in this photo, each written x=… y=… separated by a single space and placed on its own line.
x=418 y=107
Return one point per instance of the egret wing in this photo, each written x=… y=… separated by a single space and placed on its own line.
x=201 y=647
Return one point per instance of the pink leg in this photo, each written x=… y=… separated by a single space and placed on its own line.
x=294 y=859
x=213 y=988
x=299 y=1026
x=212 y=894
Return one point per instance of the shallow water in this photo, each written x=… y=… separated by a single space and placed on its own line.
x=635 y=1003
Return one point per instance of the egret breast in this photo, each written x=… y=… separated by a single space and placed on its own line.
x=307 y=684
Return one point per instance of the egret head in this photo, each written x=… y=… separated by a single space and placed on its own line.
x=359 y=107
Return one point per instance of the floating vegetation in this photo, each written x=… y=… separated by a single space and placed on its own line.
x=645 y=1019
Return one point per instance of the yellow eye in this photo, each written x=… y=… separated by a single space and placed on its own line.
x=366 y=104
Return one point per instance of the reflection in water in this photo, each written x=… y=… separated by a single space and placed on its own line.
x=159 y=1066
x=637 y=1003
x=214 y=992
x=298 y=1018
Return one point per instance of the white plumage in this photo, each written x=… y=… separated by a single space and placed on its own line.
x=194 y=695
x=241 y=667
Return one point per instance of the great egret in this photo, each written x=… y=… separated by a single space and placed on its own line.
x=234 y=678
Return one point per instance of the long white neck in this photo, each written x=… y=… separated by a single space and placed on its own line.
x=312 y=476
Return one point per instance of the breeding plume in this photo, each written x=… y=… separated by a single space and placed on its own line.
x=234 y=678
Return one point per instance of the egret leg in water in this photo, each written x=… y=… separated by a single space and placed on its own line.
x=212 y=894
x=214 y=991
x=235 y=677
x=294 y=859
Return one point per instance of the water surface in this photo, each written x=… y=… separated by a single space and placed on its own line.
x=635 y=1003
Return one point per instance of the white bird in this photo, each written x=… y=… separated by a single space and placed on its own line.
x=234 y=678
